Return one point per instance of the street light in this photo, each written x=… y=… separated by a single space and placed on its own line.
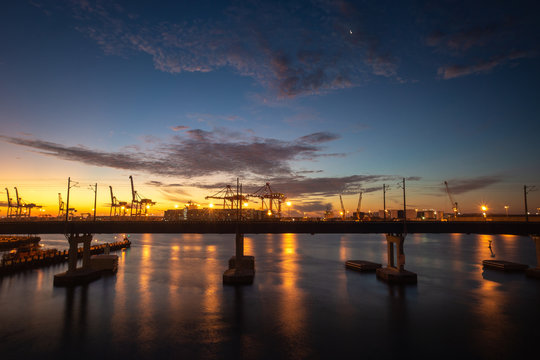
x=484 y=209
x=506 y=209
x=289 y=205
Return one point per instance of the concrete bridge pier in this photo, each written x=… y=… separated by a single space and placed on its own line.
x=535 y=272
x=395 y=271
x=241 y=267
x=74 y=275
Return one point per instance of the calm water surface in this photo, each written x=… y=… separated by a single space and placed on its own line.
x=168 y=301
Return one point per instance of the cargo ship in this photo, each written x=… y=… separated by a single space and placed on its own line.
x=8 y=242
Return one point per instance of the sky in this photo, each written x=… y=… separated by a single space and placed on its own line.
x=318 y=98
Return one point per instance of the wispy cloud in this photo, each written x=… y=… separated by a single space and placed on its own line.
x=179 y=128
x=454 y=71
x=482 y=38
x=316 y=52
x=461 y=186
x=330 y=186
x=467 y=38
x=196 y=153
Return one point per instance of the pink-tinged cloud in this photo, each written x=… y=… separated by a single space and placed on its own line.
x=313 y=54
x=179 y=128
x=455 y=71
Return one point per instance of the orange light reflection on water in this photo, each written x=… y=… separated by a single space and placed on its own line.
x=292 y=300
x=119 y=318
x=145 y=333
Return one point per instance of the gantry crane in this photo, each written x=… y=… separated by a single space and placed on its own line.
x=342 y=208
x=22 y=207
x=118 y=208
x=454 y=203
x=10 y=206
x=229 y=197
x=139 y=203
x=359 y=205
x=270 y=200
x=62 y=207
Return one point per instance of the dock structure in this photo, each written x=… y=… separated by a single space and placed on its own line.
x=503 y=265
x=362 y=265
x=8 y=242
x=31 y=260
x=395 y=271
x=74 y=275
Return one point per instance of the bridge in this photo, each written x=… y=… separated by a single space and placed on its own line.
x=267 y=227
x=241 y=267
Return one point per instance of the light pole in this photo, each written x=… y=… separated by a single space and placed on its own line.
x=94 y=189
x=506 y=209
x=289 y=207
x=484 y=209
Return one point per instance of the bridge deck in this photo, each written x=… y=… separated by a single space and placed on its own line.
x=270 y=227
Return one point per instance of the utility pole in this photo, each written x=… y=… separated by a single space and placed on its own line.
x=384 y=188
x=404 y=210
x=526 y=190
x=94 y=189
x=67 y=200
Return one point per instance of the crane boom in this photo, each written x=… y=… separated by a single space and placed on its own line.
x=359 y=205
x=342 y=208
x=454 y=203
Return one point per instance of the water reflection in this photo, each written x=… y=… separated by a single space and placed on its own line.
x=75 y=314
x=292 y=311
x=146 y=332
x=168 y=298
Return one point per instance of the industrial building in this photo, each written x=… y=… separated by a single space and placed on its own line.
x=189 y=213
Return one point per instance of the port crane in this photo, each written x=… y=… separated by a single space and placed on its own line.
x=342 y=208
x=22 y=207
x=118 y=208
x=270 y=200
x=139 y=203
x=62 y=207
x=10 y=206
x=228 y=196
x=454 y=203
x=359 y=205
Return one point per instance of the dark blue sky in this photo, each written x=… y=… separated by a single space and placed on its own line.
x=319 y=98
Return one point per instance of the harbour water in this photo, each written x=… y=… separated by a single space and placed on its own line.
x=167 y=301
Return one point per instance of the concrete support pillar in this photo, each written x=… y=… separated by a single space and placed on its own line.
x=239 y=246
x=86 y=240
x=395 y=271
x=74 y=241
x=396 y=240
x=74 y=276
x=536 y=239
x=72 y=253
